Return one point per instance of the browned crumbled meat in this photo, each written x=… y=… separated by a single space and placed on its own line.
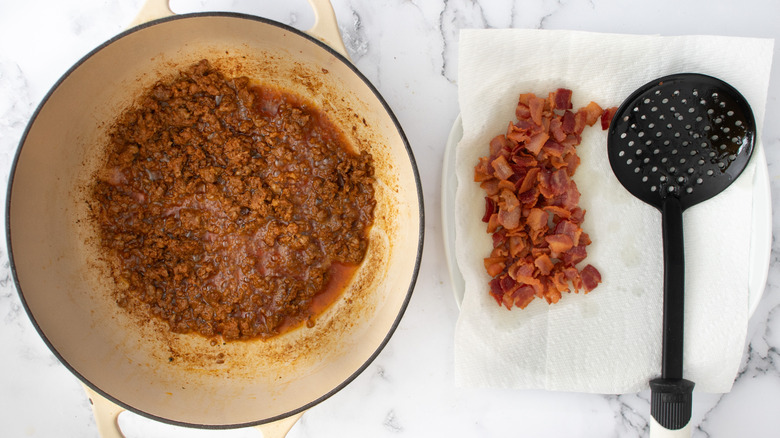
x=225 y=207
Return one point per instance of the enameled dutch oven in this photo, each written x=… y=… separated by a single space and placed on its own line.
x=187 y=379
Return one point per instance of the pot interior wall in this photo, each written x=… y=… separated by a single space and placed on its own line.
x=184 y=378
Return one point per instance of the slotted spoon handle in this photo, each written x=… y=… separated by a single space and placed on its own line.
x=671 y=395
x=674 y=289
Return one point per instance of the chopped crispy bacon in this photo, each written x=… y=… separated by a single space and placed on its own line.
x=507 y=184
x=592 y=113
x=497 y=145
x=536 y=142
x=556 y=128
x=501 y=168
x=499 y=237
x=590 y=278
x=562 y=99
x=531 y=207
x=522 y=112
x=490 y=186
x=544 y=264
x=606 y=118
x=554 y=149
x=567 y=122
x=536 y=106
x=570 y=229
x=559 y=243
x=509 y=201
x=523 y=296
x=483 y=172
x=490 y=208
x=516 y=135
x=495 y=265
x=574 y=255
x=509 y=219
x=572 y=163
x=537 y=219
x=517 y=246
x=492 y=223
x=530 y=180
x=562 y=213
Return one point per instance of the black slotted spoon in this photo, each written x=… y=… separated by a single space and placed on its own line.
x=675 y=142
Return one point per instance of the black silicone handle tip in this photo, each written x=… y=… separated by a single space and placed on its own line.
x=671 y=401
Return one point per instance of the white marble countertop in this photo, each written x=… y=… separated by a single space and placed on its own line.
x=408 y=49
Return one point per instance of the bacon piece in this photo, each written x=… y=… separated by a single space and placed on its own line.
x=517 y=246
x=522 y=112
x=530 y=180
x=551 y=294
x=591 y=278
x=483 y=171
x=572 y=163
x=568 y=199
x=490 y=186
x=509 y=219
x=560 y=182
x=498 y=144
x=536 y=106
x=559 y=243
x=525 y=161
x=499 y=237
x=556 y=128
x=553 y=148
x=537 y=219
x=495 y=265
x=501 y=168
x=573 y=275
x=523 y=296
x=536 y=143
x=574 y=255
x=562 y=99
x=592 y=113
x=496 y=291
x=505 y=184
x=577 y=215
x=560 y=282
x=493 y=223
x=545 y=184
x=567 y=122
x=490 y=208
x=529 y=198
x=607 y=117
x=525 y=98
x=517 y=134
x=558 y=211
x=521 y=269
x=544 y=264
x=570 y=229
x=509 y=200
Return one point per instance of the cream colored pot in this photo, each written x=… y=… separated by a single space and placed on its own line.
x=186 y=379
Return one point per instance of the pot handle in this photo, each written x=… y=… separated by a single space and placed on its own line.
x=279 y=428
x=325 y=29
x=152 y=10
x=106 y=414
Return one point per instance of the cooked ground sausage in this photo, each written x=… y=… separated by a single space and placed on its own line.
x=224 y=206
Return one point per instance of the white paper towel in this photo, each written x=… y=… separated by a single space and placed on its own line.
x=608 y=341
